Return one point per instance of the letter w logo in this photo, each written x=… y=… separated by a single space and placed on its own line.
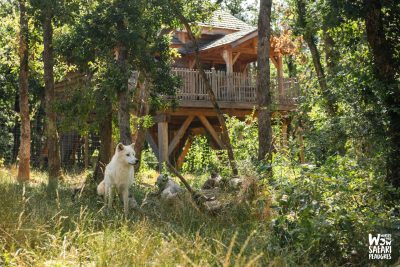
x=373 y=241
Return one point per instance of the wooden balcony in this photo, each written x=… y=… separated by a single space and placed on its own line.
x=235 y=90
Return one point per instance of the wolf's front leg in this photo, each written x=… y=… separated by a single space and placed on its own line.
x=125 y=197
x=108 y=197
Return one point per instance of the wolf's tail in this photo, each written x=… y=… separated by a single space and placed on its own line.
x=101 y=188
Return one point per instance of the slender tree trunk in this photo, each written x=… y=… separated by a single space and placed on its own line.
x=309 y=37
x=291 y=65
x=51 y=119
x=125 y=132
x=16 y=129
x=264 y=83
x=25 y=144
x=226 y=140
x=142 y=110
x=105 y=153
x=385 y=68
x=331 y=54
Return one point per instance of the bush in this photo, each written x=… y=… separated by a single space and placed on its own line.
x=328 y=212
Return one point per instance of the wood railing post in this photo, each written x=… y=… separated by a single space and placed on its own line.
x=236 y=86
x=214 y=83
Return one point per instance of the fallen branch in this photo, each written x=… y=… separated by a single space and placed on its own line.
x=197 y=196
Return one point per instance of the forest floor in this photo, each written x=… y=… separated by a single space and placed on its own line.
x=75 y=231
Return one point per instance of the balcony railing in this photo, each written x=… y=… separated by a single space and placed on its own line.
x=234 y=88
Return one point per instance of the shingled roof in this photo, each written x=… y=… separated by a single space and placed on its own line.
x=224 y=20
x=227 y=39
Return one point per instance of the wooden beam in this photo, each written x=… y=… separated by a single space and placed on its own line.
x=211 y=130
x=162 y=117
x=191 y=62
x=249 y=36
x=235 y=58
x=152 y=144
x=273 y=60
x=163 y=141
x=179 y=134
x=185 y=150
x=280 y=75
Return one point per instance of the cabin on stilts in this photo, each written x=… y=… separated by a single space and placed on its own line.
x=228 y=50
x=228 y=53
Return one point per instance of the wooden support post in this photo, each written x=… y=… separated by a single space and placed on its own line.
x=152 y=144
x=162 y=142
x=280 y=76
x=86 y=151
x=274 y=61
x=185 y=150
x=227 y=56
x=179 y=134
x=211 y=130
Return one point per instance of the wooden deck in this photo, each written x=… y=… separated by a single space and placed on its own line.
x=235 y=90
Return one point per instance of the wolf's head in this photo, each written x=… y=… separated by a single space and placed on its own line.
x=126 y=154
x=162 y=181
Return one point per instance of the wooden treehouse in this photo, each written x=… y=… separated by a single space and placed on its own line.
x=228 y=46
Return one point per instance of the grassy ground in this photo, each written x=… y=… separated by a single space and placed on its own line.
x=67 y=231
x=35 y=230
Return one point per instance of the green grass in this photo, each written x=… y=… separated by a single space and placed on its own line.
x=67 y=231
x=36 y=230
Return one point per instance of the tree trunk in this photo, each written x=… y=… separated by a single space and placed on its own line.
x=331 y=55
x=125 y=132
x=51 y=120
x=291 y=65
x=263 y=82
x=16 y=129
x=385 y=68
x=226 y=140
x=25 y=144
x=142 y=110
x=105 y=153
x=309 y=37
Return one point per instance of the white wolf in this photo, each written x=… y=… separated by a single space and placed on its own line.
x=119 y=173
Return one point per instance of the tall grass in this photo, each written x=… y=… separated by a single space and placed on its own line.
x=36 y=230
x=75 y=231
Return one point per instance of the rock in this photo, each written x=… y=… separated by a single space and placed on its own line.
x=235 y=183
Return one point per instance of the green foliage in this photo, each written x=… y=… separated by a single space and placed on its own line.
x=331 y=210
x=9 y=70
x=200 y=158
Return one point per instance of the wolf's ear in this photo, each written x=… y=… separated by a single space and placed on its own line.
x=120 y=147
x=133 y=145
